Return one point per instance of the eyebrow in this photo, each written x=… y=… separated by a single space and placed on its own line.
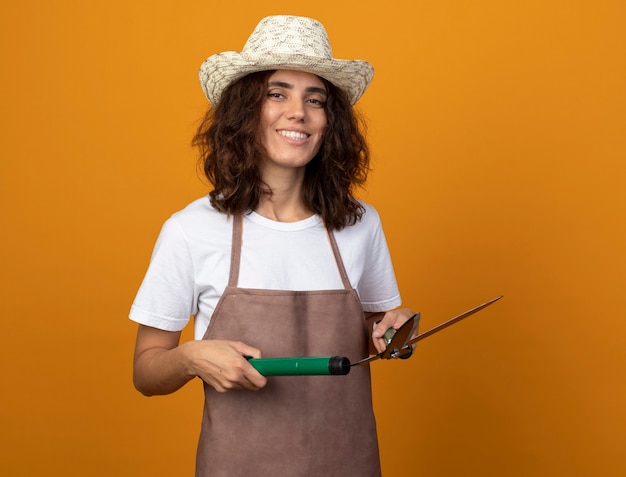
x=309 y=89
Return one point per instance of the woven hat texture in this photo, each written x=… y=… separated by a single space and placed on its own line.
x=285 y=42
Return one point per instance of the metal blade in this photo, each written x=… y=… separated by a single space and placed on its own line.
x=363 y=361
x=452 y=321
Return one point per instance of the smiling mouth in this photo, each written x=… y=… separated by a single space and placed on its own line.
x=293 y=134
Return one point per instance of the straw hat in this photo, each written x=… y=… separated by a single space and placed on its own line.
x=285 y=42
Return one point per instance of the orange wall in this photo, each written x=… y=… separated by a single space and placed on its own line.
x=498 y=136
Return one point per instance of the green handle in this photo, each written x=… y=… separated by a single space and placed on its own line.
x=304 y=366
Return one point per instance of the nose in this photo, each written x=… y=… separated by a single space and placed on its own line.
x=295 y=110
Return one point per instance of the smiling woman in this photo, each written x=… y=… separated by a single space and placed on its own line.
x=284 y=150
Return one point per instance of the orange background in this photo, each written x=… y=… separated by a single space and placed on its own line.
x=498 y=135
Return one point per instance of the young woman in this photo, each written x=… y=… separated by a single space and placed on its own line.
x=279 y=260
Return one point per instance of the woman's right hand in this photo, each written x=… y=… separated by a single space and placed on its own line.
x=162 y=366
x=223 y=364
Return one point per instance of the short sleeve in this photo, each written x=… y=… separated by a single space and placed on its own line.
x=377 y=288
x=166 y=297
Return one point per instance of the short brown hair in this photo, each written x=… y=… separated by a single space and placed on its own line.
x=230 y=154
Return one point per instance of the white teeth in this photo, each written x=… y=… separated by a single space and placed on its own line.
x=293 y=134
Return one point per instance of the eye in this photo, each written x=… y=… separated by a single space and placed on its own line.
x=275 y=95
x=319 y=103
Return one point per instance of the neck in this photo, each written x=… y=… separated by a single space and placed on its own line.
x=283 y=207
x=285 y=204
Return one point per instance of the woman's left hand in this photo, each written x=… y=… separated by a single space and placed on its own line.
x=391 y=319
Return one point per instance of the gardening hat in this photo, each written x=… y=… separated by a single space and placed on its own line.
x=288 y=43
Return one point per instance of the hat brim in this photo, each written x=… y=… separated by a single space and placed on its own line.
x=222 y=69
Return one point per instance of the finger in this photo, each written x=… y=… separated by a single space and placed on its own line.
x=379 y=345
x=380 y=328
x=377 y=336
x=231 y=374
x=226 y=381
x=246 y=350
x=242 y=374
x=255 y=380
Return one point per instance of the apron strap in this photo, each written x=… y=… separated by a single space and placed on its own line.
x=235 y=254
x=342 y=269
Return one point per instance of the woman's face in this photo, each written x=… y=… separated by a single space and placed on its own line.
x=292 y=118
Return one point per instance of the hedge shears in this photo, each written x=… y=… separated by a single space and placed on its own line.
x=399 y=346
